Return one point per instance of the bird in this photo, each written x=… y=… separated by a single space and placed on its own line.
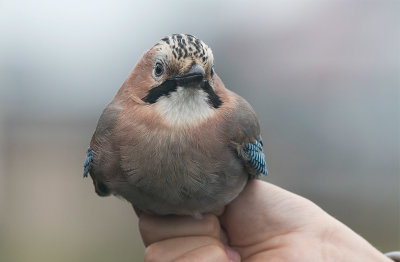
x=174 y=140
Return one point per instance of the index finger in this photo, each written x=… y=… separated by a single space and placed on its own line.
x=158 y=228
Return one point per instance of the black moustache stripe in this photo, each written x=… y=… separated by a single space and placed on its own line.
x=171 y=85
x=164 y=89
x=213 y=98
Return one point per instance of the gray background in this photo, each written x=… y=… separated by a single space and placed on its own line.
x=323 y=77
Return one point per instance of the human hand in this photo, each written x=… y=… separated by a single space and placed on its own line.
x=183 y=238
x=263 y=223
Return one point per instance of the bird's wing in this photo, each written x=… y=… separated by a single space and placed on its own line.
x=102 y=158
x=88 y=162
x=254 y=154
x=247 y=140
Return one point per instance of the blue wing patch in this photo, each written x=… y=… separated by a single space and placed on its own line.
x=256 y=157
x=88 y=162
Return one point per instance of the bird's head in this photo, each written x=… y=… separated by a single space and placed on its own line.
x=176 y=78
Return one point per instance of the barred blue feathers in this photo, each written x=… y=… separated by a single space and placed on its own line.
x=88 y=161
x=256 y=157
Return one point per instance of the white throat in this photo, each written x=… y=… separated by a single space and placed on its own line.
x=185 y=106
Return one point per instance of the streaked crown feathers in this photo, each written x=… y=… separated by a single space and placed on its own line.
x=184 y=49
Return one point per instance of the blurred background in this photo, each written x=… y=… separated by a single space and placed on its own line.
x=323 y=77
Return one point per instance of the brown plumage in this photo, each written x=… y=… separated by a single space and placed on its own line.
x=175 y=143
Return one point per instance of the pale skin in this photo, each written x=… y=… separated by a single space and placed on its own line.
x=264 y=223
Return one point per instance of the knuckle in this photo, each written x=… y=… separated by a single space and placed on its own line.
x=146 y=229
x=211 y=226
x=153 y=253
x=143 y=232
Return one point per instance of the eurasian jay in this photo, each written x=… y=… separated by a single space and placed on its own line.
x=174 y=140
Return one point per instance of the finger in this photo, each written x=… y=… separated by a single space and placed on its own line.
x=263 y=211
x=259 y=210
x=156 y=228
x=210 y=253
x=232 y=254
x=171 y=249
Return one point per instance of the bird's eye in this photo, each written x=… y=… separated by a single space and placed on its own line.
x=212 y=71
x=158 y=69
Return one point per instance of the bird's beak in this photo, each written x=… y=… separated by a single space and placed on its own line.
x=194 y=76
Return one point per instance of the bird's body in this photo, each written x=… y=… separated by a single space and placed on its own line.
x=175 y=144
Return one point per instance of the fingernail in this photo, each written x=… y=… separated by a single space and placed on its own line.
x=232 y=254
